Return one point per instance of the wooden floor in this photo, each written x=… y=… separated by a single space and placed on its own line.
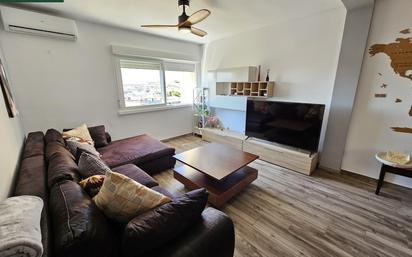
x=284 y=213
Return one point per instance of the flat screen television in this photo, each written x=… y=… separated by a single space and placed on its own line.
x=293 y=124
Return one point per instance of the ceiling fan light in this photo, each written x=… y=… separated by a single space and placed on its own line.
x=185 y=29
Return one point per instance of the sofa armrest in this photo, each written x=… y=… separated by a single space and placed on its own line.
x=213 y=236
x=108 y=137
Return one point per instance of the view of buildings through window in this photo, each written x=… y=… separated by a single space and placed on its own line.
x=179 y=87
x=143 y=86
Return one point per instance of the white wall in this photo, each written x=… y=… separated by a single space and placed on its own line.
x=355 y=37
x=354 y=4
x=372 y=117
x=61 y=84
x=301 y=54
x=11 y=138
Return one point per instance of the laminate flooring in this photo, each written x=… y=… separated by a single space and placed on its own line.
x=284 y=213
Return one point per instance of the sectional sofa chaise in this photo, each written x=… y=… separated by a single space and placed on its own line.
x=71 y=223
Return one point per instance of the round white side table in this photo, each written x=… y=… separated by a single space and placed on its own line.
x=390 y=167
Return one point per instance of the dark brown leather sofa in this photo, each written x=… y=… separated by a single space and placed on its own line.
x=73 y=226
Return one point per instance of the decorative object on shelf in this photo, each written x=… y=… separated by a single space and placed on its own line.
x=267 y=75
x=258 y=78
x=5 y=88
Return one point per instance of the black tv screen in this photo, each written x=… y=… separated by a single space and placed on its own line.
x=293 y=124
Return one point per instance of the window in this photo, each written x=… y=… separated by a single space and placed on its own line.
x=180 y=82
x=154 y=83
x=141 y=83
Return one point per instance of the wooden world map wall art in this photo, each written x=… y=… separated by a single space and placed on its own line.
x=380 y=95
x=405 y=31
x=400 y=54
x=404 y=129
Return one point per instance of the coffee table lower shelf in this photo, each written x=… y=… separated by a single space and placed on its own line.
x=220 y=191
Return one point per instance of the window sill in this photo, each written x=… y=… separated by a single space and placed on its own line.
x=127 y=111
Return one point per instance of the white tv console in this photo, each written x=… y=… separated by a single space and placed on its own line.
x=303 y=162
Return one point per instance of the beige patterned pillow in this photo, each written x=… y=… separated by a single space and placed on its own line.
x=81 y=132
x=122 y=198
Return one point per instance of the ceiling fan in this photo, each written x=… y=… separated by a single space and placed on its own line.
x=186 y=22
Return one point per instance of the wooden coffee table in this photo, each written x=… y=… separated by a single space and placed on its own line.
x=221 y=170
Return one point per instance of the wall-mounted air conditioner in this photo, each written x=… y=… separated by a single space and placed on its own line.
x=27 y=22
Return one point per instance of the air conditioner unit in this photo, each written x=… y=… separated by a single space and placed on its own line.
x=27 y=22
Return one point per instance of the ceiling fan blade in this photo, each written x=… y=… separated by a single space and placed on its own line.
x=198 y=16
x=198 y=32
x=159 y=26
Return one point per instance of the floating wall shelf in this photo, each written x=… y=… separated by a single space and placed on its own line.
x=262 y=89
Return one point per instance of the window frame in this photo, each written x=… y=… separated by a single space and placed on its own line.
x=123 y=110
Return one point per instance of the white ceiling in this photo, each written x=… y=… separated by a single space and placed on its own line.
x=228 y=16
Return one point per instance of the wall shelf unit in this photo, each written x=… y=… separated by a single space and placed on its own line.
x=255 y=89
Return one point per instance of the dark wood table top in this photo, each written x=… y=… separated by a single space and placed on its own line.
x=216 y=160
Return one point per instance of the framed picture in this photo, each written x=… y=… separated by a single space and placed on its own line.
x=5 y=89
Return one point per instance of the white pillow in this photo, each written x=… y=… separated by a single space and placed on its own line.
x=81 y=132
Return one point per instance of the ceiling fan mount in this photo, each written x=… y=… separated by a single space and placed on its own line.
x=183 y=17
x=184 y=2
x=186 y=22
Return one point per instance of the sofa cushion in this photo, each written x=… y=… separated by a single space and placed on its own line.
x=156 y=227
x=212 y=235
x=163 y=191
x=80 y=132
x=34 y=144
x=53 y=135
x=46 y=234
x=32 y=177
x=31 y=180
x=121 y=198
x=136 y=150
x=90 y=165
x=135 y=173
x=74 y=146
x=108 y=137
x=56 y=147
x=92 y=184
x=79 y=227
x=158 y=165
x=98 y=134
x=61 y=167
